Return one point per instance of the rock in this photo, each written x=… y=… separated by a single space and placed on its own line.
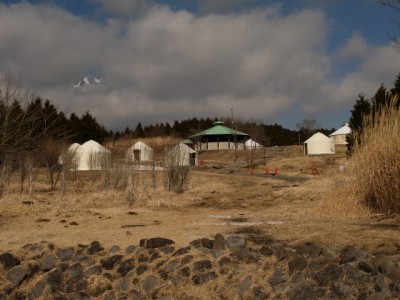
x=32 y=269
x=37 y=291
x=187 y=259
x=124 y=284
x=244 y=286
x=126 y=266
x=235 y=243
x=367 y=267
x=330 y=273
x=182 y=251
x=394 y=275
x=141 y=269
x=94 y=247
x=204 y=278
x=348 y=254
x=16 y=275
x=207 y=243
x=266 y=251
x=219 y=243
x=65 y=253
x=380 y=284
x=173 y=265
x=8 y=260
x=167 y=250
x=185 y=271
x=130 y=249
x=260 y=294
x=202 y=265
x=95 y=270
x=342 y=290
x=114 y=249
x=305 y=291
x=279 y=250
x=278 y=277
x=157 y=242
x=297 y=264
x=48 y=262
x=55 y=279
x=308 y=249
x=149 y=283
x=110 y=262
x=224 y=261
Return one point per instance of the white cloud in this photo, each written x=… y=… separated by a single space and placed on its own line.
x=168 y=65
x=125 y=7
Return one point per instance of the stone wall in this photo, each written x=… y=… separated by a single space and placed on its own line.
x=222 y=268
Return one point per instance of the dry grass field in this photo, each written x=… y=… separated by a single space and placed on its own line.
x=296 y=205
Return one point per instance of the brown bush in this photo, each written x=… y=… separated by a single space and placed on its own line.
x=375 y=166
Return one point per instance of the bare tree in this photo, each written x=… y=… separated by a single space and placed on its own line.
x=307 y=127
x=177 y=168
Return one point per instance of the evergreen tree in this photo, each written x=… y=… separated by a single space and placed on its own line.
x=361 y=108
x=381 y=98
x=139 y=132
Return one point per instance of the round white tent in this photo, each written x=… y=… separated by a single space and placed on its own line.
x=181 y=155
x=251 y=144
x=71 y=155
x=93 y=156
x=139 y=152
x=339 y=136
x=319 y=144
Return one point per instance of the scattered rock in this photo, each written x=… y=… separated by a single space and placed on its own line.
x=235 y=243
x=16 y=275
x=8 y=260
x=330 y=273
x=297 y=264
x=49 y=262
x=157 y=242
x=219 y=243
x=202 y=265
x=204 y=278
x=278 y=250
x=348 y=254
x=65 y=253
x=94 y=247
x=110 y=262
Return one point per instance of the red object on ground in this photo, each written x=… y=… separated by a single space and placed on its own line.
x=266 y=170
x=201 y=163
x=276 y=171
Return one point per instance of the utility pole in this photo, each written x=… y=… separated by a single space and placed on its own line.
x=234 y=132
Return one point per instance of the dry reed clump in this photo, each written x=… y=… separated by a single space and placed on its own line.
x=375 y=166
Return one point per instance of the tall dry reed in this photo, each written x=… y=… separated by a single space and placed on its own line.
x=375 y=166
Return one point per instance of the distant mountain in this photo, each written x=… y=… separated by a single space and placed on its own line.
x=87 y=81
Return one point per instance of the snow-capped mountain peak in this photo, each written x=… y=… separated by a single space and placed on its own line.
x=87 y=81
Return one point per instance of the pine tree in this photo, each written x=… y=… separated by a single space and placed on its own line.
x=361 y=108
x=139 y=132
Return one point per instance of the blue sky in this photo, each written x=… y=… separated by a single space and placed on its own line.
x=272 y=61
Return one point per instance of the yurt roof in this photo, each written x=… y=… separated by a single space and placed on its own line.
x=92 y=146
x=252 y=143
x=318 y=137
x=140 y=146
x=183 y=147
x=345 y=129
x=219 y=129
x=74 y=147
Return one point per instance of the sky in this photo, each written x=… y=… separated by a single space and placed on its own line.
x=165 y=60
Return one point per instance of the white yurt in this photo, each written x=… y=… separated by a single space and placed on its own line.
x=72 y=155
x=251 y=144
x=93 y=156
x=181 y=155
x=139 y=152
x=319 y=143
x=339 y=136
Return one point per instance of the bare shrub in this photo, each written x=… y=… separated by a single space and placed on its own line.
x=177 y=169
x=375 y=166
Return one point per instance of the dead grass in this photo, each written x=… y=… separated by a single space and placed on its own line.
x=375 y=166
x=293 y=206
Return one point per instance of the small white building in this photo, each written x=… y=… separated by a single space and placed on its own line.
x=70 y=156
x=139 y=152
x=339 y=136
x=251 y=144
x=319 y=143
x=93 y=156
x=181 y=155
